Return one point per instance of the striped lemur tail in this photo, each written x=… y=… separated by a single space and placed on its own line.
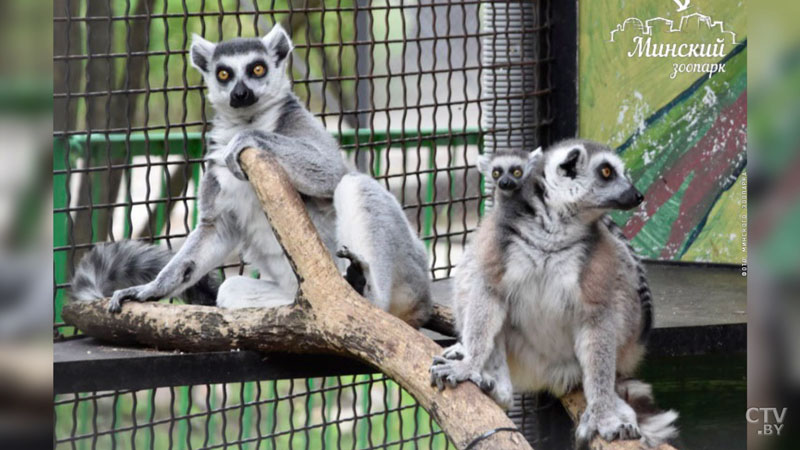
x=656 y=426
x=118 y=265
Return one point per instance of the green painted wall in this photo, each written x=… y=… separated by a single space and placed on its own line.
x=682 y=135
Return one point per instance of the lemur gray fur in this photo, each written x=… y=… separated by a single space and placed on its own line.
x=508 y=169
x=254 y=106
x=391 y=272
x=550 y=295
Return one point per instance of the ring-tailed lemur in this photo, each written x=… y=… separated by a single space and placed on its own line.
x=391 y=272
x=550 y=295
x=508 y=169
x=254 y=107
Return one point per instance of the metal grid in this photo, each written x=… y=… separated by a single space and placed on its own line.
x=358 y=412
x=414 y=90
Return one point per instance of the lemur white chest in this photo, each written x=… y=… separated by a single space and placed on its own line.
x=543 y=318
x=547 y=287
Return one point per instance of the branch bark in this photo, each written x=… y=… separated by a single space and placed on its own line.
x=327 y=316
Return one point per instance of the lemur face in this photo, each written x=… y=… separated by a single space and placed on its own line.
x=508 y=169
x=586 y=176
x=243 y=73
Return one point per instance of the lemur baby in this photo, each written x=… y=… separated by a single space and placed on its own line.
x=254 y=106
x=508 y=169
x=550 y=295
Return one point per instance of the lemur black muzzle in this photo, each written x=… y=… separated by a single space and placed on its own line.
x=242 y=96
x=629 y=199
x=507 y=184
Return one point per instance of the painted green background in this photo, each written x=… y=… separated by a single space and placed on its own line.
x=683 y=139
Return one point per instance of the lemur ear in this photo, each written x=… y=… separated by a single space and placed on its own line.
x=201 y=52
x=278 y=43
x=569 y=167
x=484 y=161
x=533 y=157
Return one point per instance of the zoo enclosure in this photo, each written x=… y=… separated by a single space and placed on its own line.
x=414 y=91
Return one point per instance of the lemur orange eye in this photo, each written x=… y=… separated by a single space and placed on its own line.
x=495 y=174
x=606 y=172
x=223 y=75
x=517 y=173
x=259 y=70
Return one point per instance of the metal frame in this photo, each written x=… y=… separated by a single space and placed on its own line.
x=128 y=106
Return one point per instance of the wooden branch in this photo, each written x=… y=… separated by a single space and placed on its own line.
x=327 y=316
x=575 y=404
x=442 y=321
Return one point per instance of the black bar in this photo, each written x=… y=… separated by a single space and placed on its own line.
x=564 y=70
x=88 y=365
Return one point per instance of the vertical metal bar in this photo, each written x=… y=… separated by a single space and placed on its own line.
x=363 y=61
x=403 y=145
x=208 y=407
x=309 y=405
x=165 y=207
x=184 y=118
x=339 y=412
x=562 y=44
x=258 y=414
x=272 y=417
x=419 y=125
x=291 y=414
x=151 y=412
x=114 y=417
x=224 y=413
x=242 y=407
x=434 y=149
x=388 y=94
x=186 y=400
x=511 y=56
x=247 y=411
x=134 y=418
x=171 y=427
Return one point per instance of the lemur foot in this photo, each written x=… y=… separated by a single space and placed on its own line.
x=609 y=423
x=137 y=293
x=345 y=253
x=452 y=372
x=455 y=352
x=354 y=258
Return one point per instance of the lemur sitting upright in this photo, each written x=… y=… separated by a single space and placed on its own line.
x=254 y=107
x=550 y=295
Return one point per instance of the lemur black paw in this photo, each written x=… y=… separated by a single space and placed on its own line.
x=232 y=151
x=344 y=252
x=135 y=293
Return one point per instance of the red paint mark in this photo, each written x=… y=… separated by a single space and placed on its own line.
x=711 y=172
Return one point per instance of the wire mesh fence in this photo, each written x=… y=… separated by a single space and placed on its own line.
x=358 y=412
x=414 y=90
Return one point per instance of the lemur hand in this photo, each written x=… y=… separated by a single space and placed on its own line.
x=241 y=141
x=138 y=293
